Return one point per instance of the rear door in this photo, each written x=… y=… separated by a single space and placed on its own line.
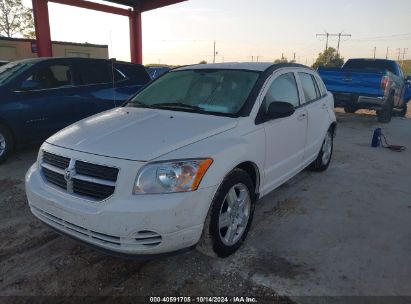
x=285 y=137
x=95 y=85
x=316 y=104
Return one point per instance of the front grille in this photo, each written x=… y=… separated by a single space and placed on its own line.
x=92 y=189
x=98 y=171
x=55 y=178
x=81 y=178
x=56 y=160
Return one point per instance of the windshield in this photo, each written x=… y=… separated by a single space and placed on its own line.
x=210 y=91
x=11 y=69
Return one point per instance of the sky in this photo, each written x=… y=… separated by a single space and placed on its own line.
x=184 y=33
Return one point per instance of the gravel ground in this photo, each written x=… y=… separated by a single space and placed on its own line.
x=344 y=232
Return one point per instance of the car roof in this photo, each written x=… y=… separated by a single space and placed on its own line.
x=42 y=59
x=250 y=66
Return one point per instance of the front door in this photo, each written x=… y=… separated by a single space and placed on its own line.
x=46 y=96
x=285 y=137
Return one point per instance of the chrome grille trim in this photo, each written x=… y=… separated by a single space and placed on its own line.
x=90 y=183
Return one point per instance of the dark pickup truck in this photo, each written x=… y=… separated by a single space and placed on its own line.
x=375 y=84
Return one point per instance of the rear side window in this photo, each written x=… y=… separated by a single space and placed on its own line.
x=372 y=65
x=309 y=87
x=93 y=73
x=137 y=73
x=321 y=86
x=283 y=88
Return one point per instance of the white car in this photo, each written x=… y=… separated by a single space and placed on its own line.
x=184 y=162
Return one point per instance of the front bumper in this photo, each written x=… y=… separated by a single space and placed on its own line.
x=124 y=223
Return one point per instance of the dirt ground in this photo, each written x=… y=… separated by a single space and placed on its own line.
x=344 y=232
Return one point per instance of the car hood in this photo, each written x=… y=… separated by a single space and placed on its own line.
x=139 y=134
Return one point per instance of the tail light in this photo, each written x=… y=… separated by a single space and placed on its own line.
x=384 y=82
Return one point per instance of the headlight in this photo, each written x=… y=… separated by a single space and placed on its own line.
x=171 y=176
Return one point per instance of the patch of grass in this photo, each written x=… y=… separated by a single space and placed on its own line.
x=406 y=67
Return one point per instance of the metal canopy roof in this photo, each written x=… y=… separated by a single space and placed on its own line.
x=146 y=5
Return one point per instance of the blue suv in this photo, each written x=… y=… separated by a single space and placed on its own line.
x=39 y=97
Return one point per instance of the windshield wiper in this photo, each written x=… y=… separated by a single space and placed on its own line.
x=177 y=105
x=138 y=104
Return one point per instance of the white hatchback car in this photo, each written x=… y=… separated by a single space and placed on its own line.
x=184 y=161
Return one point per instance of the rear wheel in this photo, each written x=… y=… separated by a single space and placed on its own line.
x=230 y=216
x=6 y=143
x=385 y=114
x=350 y=109
x=404 y=110
x=323 y=159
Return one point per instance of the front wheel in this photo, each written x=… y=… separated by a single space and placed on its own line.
x=230 y=216
x=6 y=143
x=323 y=159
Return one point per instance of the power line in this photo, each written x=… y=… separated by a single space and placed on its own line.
x=328 y=35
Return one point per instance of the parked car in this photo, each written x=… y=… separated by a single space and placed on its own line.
x=156 y=72
x=375 y=84
x=184 y=161
x=42 y=96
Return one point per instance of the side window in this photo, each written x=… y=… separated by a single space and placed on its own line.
x=51 y=77
x=94 y=73
x=321 y=86
x=118 y=76
x=284 y=88
x=309 y=87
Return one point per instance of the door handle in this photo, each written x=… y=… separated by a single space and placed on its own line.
x=302 y=116
x=324 y=106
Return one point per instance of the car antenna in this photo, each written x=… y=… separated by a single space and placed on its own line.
x=112 y=78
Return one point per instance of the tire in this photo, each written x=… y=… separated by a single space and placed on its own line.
x=350 y=109
x=323 y=159
x=6 y=143
x=229 y=218
x=404 y=110
x=385 y=115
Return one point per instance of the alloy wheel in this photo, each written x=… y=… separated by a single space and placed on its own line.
x=327 y=148
x=234 y=214
x=2 y=144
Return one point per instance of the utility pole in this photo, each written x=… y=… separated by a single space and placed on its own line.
x=386 y=55
x=257 y=58
x=399 y=54
x=214 y=53
x=294 y=57
x=403 y=55
x=252 y=58
x=328 y=35
x=375 y=51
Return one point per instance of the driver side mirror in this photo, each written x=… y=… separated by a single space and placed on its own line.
x=279 y=109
